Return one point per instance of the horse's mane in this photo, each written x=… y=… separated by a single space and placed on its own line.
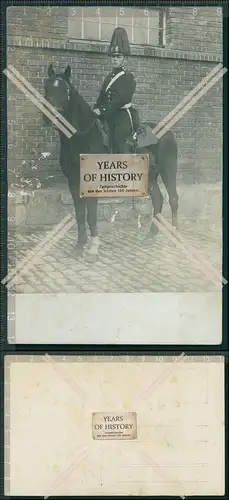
x=81 y=113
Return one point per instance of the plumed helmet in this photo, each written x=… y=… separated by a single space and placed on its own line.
x=119 y=42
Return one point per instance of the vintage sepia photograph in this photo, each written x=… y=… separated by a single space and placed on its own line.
x=115 y=161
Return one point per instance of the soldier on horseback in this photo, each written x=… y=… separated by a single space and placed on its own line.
x=113 y=106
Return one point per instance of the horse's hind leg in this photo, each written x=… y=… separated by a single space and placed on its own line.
x=167 y=164
x=157 y=202
x=92 y=254
x=173 y=201
x=80 y=210
x=169 y=179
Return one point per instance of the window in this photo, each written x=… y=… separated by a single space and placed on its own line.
x=144 y=26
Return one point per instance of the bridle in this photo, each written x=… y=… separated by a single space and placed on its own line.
x=68 y=88
x=60 y=79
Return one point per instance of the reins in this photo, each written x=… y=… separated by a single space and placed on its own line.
x=83 y=132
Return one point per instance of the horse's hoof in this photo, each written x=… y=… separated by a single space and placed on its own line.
x=175 y=223
x=92 y=254
x=149 y=240
x=153 y=230
x=79 y=250
x=91 y=258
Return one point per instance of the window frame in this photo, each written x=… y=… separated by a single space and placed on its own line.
x=161 y=27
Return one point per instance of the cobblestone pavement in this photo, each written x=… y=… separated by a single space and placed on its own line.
x=128 y=260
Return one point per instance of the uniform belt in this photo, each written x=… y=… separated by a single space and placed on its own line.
x=127 y=106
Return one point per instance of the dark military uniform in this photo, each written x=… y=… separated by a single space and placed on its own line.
x=114 y=103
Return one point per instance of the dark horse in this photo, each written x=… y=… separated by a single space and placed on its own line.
x=60 y=92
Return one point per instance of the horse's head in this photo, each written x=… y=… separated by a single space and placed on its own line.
x=57 y=89
x=63 y=96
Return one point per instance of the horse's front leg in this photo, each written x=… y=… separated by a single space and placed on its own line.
x=80 y=210
x=92 y=254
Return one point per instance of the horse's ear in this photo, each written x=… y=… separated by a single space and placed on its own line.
x=67 y=72
x=51 y=71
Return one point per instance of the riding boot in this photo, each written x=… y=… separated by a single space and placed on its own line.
x=82 y=239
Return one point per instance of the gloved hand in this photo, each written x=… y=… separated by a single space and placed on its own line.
x=96 y=111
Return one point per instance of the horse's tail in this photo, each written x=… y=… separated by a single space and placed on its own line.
x=168 y=139
x=169 y=134
x=166 y=151
x=172 y=143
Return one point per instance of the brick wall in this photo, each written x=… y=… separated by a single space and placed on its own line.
x=39 y=35
x=199 y=28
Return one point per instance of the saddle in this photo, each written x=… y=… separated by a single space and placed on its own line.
x=143 y=137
